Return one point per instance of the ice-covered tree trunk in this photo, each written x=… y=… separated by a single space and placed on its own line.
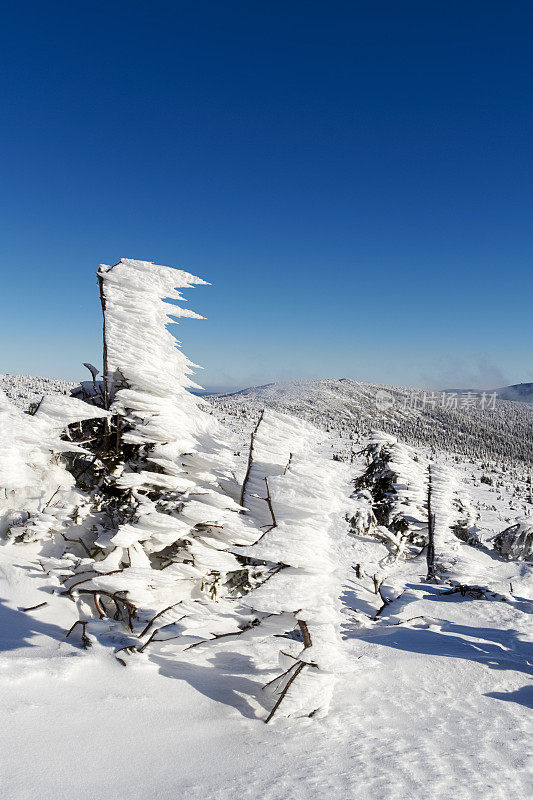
x=292 y=492
x=430 y=553
x=449 y=510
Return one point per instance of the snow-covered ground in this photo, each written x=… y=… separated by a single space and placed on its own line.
x=433 y=699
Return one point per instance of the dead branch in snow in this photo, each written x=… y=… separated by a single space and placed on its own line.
x=54 y=494
x=475 y=592
x=151 y=637
x=33 y=608
x=86 y=642
x=85 y=580
x=305 y=633
x=250 y=456
x=298 y=667
x=430 y=555
x=216 y=636
x=386 y=602
x=159 y=614
x=268 y=500
x=288 y=464
x=271 y=575
x=80 y=542
x=127 y=605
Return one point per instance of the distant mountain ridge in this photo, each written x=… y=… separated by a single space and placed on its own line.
x=518 y=392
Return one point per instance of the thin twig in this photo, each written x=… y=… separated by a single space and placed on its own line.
x=85 y=580
x=271 y=575
x=216 y=636
x=283 y=674
x=86 y=642
x=151 y=637
x=297 y=671
x=159 y=614
x=54 y=494
x=32 y=608
x=268 y=500
x=288 y=464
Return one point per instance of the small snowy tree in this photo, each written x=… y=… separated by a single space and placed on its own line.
x=390 y=494
x=450 y=520
x=293 y=493
x=515 y=543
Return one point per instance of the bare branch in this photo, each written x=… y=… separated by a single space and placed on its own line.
x=33 y=608
x=250 y=456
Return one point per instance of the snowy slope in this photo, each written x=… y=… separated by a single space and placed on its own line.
x=24 y=390
x=434 y=699
x=349 y=407
x=427 y=712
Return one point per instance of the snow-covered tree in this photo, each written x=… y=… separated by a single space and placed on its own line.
x=162 y=517
x=452 y=522
x=293 y=494
x=390 y=495
x=391 y=501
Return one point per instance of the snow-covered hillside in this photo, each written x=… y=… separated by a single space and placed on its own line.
x=222 y=599
x=24 y=390
x=465 y=423
x=494 y=429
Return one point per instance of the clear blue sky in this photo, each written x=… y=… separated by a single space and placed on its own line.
x=354 y=178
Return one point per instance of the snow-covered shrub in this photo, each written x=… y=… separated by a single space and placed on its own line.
x=395 y=479
x=516 y=542
x=361 y=516
x=39 y=497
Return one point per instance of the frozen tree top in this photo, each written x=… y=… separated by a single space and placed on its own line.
x=142 y=355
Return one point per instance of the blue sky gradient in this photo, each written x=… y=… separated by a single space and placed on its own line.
x=354 y=178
